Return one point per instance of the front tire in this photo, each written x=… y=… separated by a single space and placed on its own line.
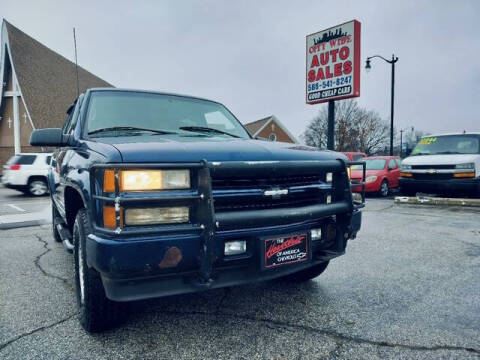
x=384 y=189
x=307 y=274
x=407 y=192
x=96 y=311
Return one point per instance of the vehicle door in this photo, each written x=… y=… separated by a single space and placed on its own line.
x=393 y=172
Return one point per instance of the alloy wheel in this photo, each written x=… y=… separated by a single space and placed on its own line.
x=38 y=188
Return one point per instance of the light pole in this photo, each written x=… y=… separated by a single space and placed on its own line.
x=392 y=62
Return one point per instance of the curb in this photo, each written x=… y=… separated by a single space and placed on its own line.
x=14 y=221
x=21 y=224
x=426 y=200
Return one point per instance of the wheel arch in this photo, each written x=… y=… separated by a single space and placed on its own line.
x=37 y=177
x=74 y=201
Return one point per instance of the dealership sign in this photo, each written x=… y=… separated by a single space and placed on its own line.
x=333 y=63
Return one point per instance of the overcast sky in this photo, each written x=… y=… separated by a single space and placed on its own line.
x=250 y=55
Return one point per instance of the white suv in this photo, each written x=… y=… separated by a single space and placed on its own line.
x=27 y=173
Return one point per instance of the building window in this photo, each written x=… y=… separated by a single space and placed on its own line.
x=272 y=137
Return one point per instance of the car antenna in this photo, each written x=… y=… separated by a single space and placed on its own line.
x=76 y=62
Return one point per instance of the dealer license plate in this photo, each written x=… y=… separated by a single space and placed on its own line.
x=286 y=250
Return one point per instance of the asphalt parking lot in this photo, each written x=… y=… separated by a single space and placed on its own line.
x=407 y=288
x=14 y=202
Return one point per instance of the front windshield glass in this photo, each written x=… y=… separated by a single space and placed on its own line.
x=371 y=164
x=450 y=144
x=121 y=110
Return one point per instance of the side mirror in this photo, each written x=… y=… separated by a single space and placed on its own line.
x=48 y=137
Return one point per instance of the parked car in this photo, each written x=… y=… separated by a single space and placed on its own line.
x=355 y=156
x=382 y=173
x=27 y=172
x=443 y=163
x=162 y=194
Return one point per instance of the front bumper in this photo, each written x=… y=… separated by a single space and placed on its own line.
x=370 y=187
x=131 y=260
x=461 y=185
x=130 y=268
x=15 y=186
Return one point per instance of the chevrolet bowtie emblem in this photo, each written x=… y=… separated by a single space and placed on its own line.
x=275 y=193
x=432 y=171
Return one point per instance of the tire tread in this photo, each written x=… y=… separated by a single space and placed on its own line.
x=98 y=313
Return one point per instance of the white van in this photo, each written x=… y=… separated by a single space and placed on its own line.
x=443 y=163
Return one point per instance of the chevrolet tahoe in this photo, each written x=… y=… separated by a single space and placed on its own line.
x=163 y=194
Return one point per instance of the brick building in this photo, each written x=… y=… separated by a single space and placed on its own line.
x=37 y=87
x=270 y=128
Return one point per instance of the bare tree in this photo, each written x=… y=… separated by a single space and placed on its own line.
x=356 y=129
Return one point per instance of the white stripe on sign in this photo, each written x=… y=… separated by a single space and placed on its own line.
x=18 y=208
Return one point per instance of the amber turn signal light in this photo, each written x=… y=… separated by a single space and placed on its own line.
x=109 y=217
x=464 y=175
x=109 y=181
x=405 y=174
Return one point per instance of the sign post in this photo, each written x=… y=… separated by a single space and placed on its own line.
x=333 y=68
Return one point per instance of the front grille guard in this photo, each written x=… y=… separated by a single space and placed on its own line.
x=355 y=184
x=202 y=197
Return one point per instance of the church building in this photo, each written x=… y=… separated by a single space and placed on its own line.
x=37 y=87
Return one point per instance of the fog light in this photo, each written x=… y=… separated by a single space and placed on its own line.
x=153 y=216
x=357 y=197
x=316 y=234
x=329 y=177
x=235 y=247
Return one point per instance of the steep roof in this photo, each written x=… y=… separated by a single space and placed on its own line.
x=255 y=126
x=47 y=80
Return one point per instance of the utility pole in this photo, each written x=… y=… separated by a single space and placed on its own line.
x=331 y=126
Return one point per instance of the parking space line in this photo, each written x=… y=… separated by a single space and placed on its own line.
x=32 y=202
x=18 y=208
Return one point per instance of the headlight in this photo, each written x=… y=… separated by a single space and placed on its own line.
x=406 y=167
x=371 y=178
x=154 y=216
x=142 y=180
x=465 y=166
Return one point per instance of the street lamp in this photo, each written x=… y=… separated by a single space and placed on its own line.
x=392 y=62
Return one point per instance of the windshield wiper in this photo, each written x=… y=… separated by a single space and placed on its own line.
x=448 y=152
x=420 y=153
x=129 y=128
x=206 y=129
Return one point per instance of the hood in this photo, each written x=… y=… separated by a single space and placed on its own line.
x=446 y=159
x=181 y=148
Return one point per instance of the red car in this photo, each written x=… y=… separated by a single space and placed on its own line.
x=355 y=156
x=382 y=174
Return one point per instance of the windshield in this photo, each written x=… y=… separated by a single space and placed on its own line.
x=451 y=144
x=131 y=113
x=371 y=164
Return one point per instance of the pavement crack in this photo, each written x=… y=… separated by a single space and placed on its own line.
x=380 y=210
x=31 y=332
x=39 y=266
x=337 y=336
